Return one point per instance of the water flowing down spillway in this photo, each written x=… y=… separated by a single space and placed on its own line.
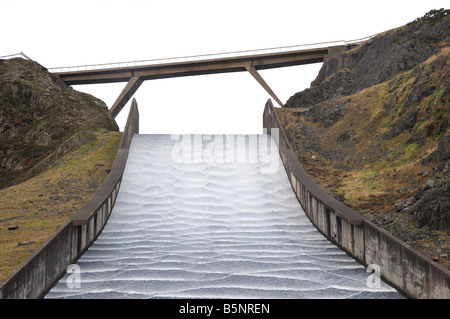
x=212 y=217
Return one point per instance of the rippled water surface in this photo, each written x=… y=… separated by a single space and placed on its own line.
x=217 y=219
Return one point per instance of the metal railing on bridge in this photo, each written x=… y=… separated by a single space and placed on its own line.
x=15 y=55
x=214 y=56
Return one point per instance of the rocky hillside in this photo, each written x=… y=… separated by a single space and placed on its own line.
x=378 y=60
x=38 y=115
x=57 y=146
x=373 y=130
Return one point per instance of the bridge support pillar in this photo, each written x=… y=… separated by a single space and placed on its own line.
x=251 y=69
x=133 y=84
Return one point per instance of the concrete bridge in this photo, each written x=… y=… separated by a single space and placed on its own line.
x=136 y=72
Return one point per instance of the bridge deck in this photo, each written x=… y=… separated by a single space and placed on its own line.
x=112 y=73
x=135 y=73
x=218 y=220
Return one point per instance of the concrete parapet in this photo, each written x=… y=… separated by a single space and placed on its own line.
x=35 y=276
x=407 y=270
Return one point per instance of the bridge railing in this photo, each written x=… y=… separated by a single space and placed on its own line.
x=203 y=57
x=15 y=55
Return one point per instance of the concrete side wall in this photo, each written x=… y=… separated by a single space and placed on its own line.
x=407 y=270
x=47 y=264
x=334 y=220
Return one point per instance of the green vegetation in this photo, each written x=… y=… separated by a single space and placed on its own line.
x=433 y=16
x=436 y=15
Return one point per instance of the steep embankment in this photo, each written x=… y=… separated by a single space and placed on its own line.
x=38 y=113
x=373 y=130
x=56 y=148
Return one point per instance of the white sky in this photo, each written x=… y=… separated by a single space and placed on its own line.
x=67 y=33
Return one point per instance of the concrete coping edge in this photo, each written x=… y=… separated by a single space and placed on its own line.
x=85 y=213
x=314 y=189
x=88 y=210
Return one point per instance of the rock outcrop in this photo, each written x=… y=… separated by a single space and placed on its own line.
x=376 y=60
x=401 y=80
x=38 y=113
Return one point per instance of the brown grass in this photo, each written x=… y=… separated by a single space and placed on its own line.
x=371 y=184
x=38 y=206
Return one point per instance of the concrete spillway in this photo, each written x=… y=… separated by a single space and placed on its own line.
x=212 y=217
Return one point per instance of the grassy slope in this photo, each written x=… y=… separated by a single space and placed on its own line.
x=39 y=205
x=379 y=172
